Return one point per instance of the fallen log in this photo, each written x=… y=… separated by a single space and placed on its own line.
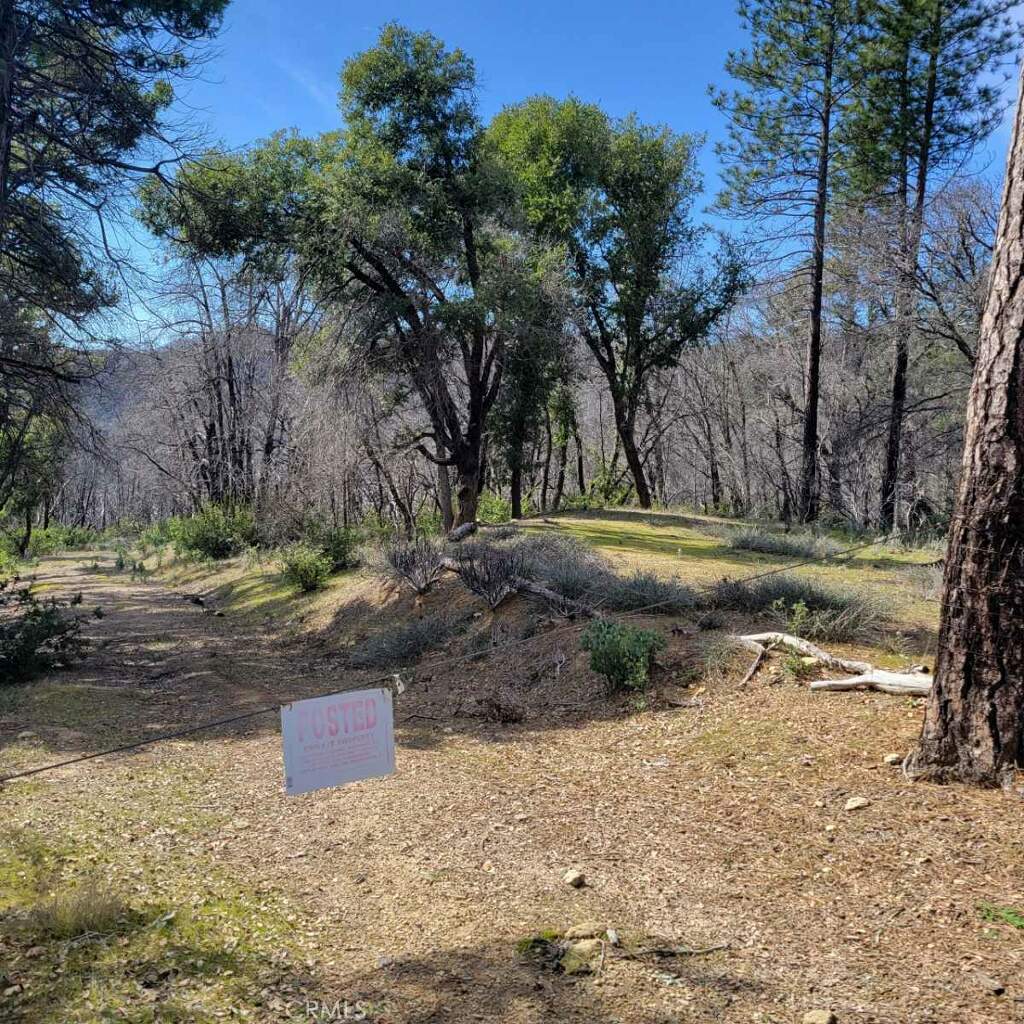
x=462 y=532
x=806 y=648
x=902 y=684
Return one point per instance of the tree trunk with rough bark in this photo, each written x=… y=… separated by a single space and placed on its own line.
x=974 y=724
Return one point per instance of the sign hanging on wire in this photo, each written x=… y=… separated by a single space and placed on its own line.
x=337 y=739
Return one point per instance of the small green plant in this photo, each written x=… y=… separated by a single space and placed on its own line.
x=622 y=654
x=305 y=567
x=1002 y=915
x=338 y=543
x=493 y=508
x=121 y=561
x=35 y=635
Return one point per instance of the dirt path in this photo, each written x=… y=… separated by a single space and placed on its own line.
x=718 y=824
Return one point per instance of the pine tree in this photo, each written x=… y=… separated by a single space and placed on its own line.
x=795 y=81
x=974 y=725
x=926 y=101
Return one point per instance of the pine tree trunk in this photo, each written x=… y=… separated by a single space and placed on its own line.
x=812 y=357
x=974 y=724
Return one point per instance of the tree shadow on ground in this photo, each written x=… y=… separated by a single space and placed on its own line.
x=494 y=983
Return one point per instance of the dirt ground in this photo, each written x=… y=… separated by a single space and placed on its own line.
x=716 y=820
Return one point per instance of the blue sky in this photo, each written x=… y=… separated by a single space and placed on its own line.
x=276 y=64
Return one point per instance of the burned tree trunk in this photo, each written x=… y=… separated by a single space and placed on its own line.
x=974 y=725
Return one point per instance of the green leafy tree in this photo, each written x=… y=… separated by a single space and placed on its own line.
x=84 y=85
x=617 y=196
x=401 y=220
x=929 y=96
x=795 y=80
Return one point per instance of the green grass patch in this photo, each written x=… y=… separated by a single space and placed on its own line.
x=1002 y=915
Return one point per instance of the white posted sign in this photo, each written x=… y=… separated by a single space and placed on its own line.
x=345 y=737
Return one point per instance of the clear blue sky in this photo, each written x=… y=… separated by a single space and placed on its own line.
x=276 y=63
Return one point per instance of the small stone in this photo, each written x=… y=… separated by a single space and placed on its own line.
x=574 y=878
x=820 y=1017
x=383 y=962
x=487 y=865
x=856 y=803
x=613 y=937
x=893 y=759
x=587 y=930
x=27 y=734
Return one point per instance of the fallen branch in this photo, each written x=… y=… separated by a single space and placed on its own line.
x=804 y=647
x=902 y=684
x=866 y=676
x=761 y=654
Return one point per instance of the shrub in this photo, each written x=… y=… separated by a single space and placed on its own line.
x=491 y=573
x=565 y=565
x=418 y=564
x=860 y=619
x=404 y=644
x=213 y=532
x=622 y=654
x=759 y=595
x=790 y=545
x=305 y=567
x=641 y=590
x=493 y=508
x=338 y=543
x=87 y=909
x=35 y=635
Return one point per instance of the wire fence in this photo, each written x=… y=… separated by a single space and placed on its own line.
x=390 y=677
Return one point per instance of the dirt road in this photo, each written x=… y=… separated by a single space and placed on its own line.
x=721 y=824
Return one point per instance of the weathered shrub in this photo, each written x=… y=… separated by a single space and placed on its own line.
x=562 y=564
x=35 y=635
x=801 y=606
x=622 y=654
x=644 y=590
x=789 y=545
x=491 y=573
x=305 y=567
x=213 y=532
x=406 y=643
x=418 y=563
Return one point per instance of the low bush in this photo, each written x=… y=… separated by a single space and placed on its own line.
x=418 y=564
x=644 y=590
x=214 y=532
x=789 y=545
x=491 y=572
x=339 y=544
x=801 y=606
x=89 y=909
x=305 y=567
x=622 y=654
x=562 y=564
x=859 y=619
x=35 y=634
x=405 y=644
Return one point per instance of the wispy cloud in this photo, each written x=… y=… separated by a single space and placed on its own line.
x=317 y=90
